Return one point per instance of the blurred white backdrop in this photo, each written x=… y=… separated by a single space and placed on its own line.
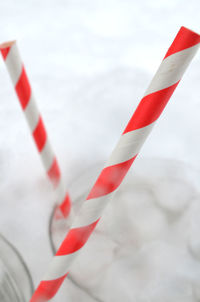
x=89 y=63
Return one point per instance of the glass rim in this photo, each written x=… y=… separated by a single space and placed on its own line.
x=21 y=260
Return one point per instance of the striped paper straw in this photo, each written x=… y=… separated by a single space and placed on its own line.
x=151 y=106
x=27 y=100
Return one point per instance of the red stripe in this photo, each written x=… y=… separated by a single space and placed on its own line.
x=65 y=206
x=47 y=289
x=150 y=108
x=40 y=135
x=23 y=89
x=4 y=52
x=110 y=178
x=75 y=239
x=184 y=39
x=54 y=172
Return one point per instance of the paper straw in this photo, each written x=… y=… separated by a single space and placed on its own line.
x=151 y=106
x=28 y=103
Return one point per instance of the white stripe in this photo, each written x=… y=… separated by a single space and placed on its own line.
x=32 y=114
x=59 y=266
x=129 y=145
x=60 y=191
x=14 y=63
x=47 y=156
x=91 y=210
x=171 y=69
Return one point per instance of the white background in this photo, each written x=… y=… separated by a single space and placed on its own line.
x=89 y=63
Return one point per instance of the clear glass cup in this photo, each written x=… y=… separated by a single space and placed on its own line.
x=15 y=280
x=144 y=233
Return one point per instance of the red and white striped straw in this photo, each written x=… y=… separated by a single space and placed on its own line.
x=27 y=100
x=151 y=106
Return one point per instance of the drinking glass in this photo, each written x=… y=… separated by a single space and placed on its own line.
x=141 y=237
x=15 y=280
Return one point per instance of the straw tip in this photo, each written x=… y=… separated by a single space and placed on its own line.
x=7 y=44
x=188 y=30
x=184 y=39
